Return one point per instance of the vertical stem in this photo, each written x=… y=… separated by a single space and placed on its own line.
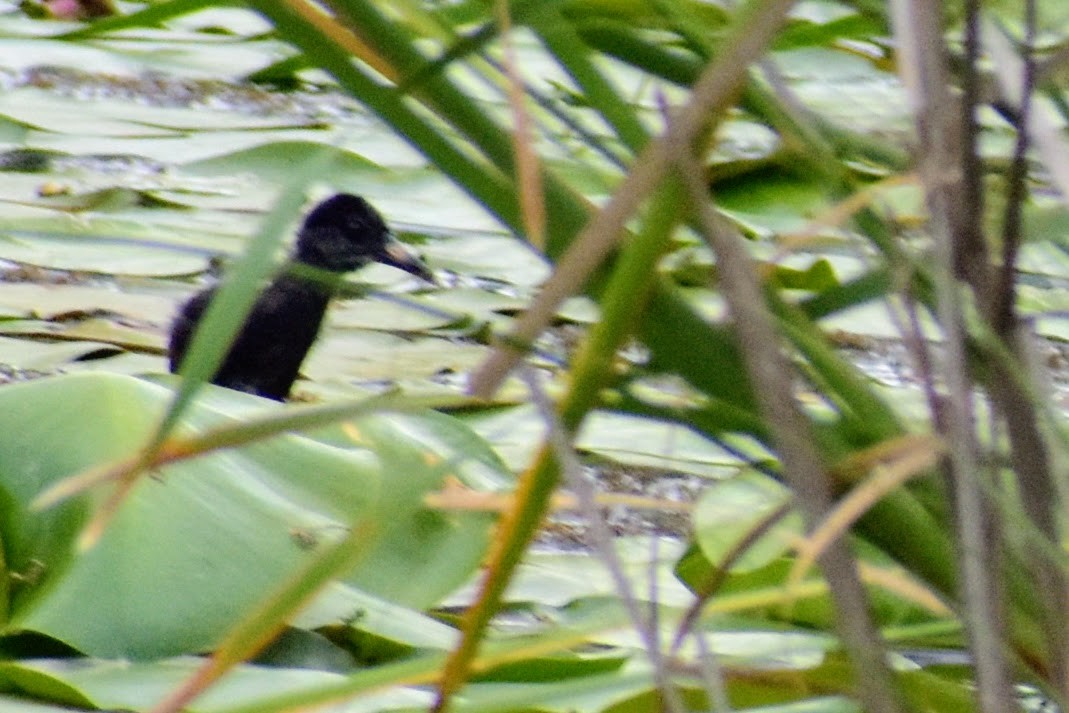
x=794 y=441
x=960 y=252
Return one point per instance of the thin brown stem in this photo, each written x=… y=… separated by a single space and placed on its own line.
x=803 y=467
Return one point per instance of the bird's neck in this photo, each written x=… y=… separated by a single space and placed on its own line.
x=314 y=278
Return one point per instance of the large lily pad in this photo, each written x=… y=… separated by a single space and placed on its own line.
x=114 y=685
x=50 y=301
x=357 y=355
x=202 y=541
x=95 y=255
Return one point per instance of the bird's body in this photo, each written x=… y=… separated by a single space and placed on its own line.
x=340 y=234
x=265 y=359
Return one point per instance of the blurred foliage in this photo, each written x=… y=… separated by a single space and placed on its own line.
x=212 y=123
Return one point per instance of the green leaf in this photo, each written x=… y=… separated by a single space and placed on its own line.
x=730 y=513
x=90 y=254
x=211 y=536
x=818 y=276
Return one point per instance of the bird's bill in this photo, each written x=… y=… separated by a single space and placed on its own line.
x=396 y=254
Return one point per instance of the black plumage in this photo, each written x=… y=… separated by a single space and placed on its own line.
x=339 y=235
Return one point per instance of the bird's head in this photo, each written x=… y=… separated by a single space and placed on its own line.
x=344 y=232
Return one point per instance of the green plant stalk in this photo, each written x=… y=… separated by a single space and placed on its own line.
x=9 y=579
x=450 y=104
x=682 y=19
x=241 y=433
x=627 y=291
x=424 y=669
x=620 y=40
x=472 y=43
x=567 y=47
x=472 y=46
x=683 y=343
x=479 y=177
x=866 y=413
x=713 y=418
x=869 y=286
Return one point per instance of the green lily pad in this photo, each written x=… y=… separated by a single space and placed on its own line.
x=491 y=256
x=100 y=330
x=386 y=315
x=268 y=506
x=47 y=111
x=477 y=304
x=517 y=432
x=359 y=355
x=275 y=161
x=45 y=355
x=49 y=301
x=124 y=685
x=559 y=578
x=731 y=510
x=90 y=255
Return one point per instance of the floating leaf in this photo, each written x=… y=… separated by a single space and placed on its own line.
x=732 y=510
x=91 y=255
x=365 y=355
x=267 y=506
x=49 y=301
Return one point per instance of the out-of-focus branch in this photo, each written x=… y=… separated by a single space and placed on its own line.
x=802 y=464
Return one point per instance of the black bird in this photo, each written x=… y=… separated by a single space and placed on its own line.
x=340 y=234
